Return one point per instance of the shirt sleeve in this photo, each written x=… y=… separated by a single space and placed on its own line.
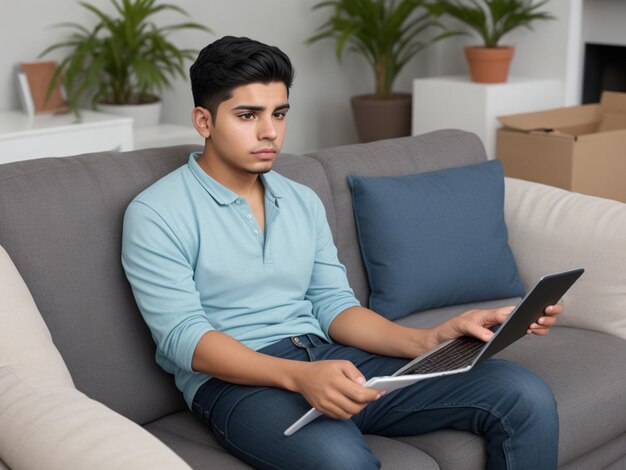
x=162 y=280
x=329 y=291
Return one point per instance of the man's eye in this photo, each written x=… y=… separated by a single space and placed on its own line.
x=280 y=115
x=246 y=116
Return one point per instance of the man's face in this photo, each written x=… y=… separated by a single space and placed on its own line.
x=249 y=128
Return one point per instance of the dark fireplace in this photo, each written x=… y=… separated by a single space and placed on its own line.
x=605 y=69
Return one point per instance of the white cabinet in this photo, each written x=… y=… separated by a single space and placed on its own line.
x=165 y=135
x=55 y=135
x=457 y=103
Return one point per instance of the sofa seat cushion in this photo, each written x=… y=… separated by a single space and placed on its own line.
x=610 y=456
x=591 y=403
x=574 y=362
x=452 y=449
x=194 y=442
x=190 y=439
x=434 y=239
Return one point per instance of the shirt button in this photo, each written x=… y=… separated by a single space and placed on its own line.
x=238 y=202
x=256 y=232
x=248 y=216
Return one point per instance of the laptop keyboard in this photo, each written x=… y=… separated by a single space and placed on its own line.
x=455 y=355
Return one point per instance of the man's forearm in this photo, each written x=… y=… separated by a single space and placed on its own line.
x=334 y=387
x=366 y=330
x=225 y=358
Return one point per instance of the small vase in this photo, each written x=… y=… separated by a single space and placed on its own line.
x=489 y=64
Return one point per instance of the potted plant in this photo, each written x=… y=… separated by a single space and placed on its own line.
x=123 y=62
x=492 y=19
x=387 y=33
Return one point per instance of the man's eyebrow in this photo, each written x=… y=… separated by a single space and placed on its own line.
x=246 y=107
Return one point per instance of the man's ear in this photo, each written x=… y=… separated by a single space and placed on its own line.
x=202 y=121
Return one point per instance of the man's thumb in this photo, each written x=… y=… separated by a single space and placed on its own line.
x=354 y=374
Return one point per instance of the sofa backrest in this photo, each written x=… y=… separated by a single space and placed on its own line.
x=60 y=221
x=394 y=157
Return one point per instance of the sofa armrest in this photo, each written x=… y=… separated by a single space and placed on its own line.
x=45 y=421
x=65 y=429
x=551 y=229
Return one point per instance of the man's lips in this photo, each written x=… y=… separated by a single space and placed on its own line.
x=265 y=153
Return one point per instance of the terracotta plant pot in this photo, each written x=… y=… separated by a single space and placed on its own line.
x=378 y=118
x=489 y=65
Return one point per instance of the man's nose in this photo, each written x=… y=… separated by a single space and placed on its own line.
x=267 y=129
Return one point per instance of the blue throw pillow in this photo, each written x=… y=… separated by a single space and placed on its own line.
x=435 y=239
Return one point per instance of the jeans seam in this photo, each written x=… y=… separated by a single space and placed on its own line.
x=504 y=422
x=506 y=427
x=225 y=433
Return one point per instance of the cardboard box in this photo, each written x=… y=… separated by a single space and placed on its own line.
x=579 y=148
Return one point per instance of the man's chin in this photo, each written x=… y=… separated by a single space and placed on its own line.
x=261 y=169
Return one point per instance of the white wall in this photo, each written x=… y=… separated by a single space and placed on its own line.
x=320 y=115
x=605 y=22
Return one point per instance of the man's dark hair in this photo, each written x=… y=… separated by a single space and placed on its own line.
x=230 y=62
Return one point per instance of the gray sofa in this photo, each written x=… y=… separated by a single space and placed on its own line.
x=79 y=387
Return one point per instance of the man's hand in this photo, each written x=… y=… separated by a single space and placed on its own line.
x=542 y=326
x=335 y=388
x=477 y=323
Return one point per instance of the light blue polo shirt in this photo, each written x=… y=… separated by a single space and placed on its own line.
x=198 y=261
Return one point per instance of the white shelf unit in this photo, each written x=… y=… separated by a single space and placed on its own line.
x=24 y=137
x=165 y=135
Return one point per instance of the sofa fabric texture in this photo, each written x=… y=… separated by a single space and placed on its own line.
x=60 y=222
x=434 y=239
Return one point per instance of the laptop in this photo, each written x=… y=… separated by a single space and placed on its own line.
x=462 y=354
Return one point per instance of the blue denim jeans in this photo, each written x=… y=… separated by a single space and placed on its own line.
x=513 y=409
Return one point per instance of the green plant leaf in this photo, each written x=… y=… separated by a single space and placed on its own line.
x=387 y=33
x=492 y=19
x=125 y=56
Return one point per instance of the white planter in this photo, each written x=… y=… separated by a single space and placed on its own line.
x=143 y=115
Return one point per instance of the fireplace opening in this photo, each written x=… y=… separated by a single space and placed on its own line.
x=605 y=69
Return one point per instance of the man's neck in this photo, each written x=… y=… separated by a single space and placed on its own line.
x=246 y=185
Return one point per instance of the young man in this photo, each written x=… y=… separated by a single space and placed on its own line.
x=235 y=271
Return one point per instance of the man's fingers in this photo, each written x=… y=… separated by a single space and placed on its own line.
x=351 y=371
x=503 y=313
x=546 y=321
x=479 y=326
x=542 y=326
x=341 y=407
x=343 y=404
x=539 y=331
x=553 y=309
x=478 y=331
x=358 y=393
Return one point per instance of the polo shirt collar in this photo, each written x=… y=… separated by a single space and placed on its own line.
x=221 y=193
